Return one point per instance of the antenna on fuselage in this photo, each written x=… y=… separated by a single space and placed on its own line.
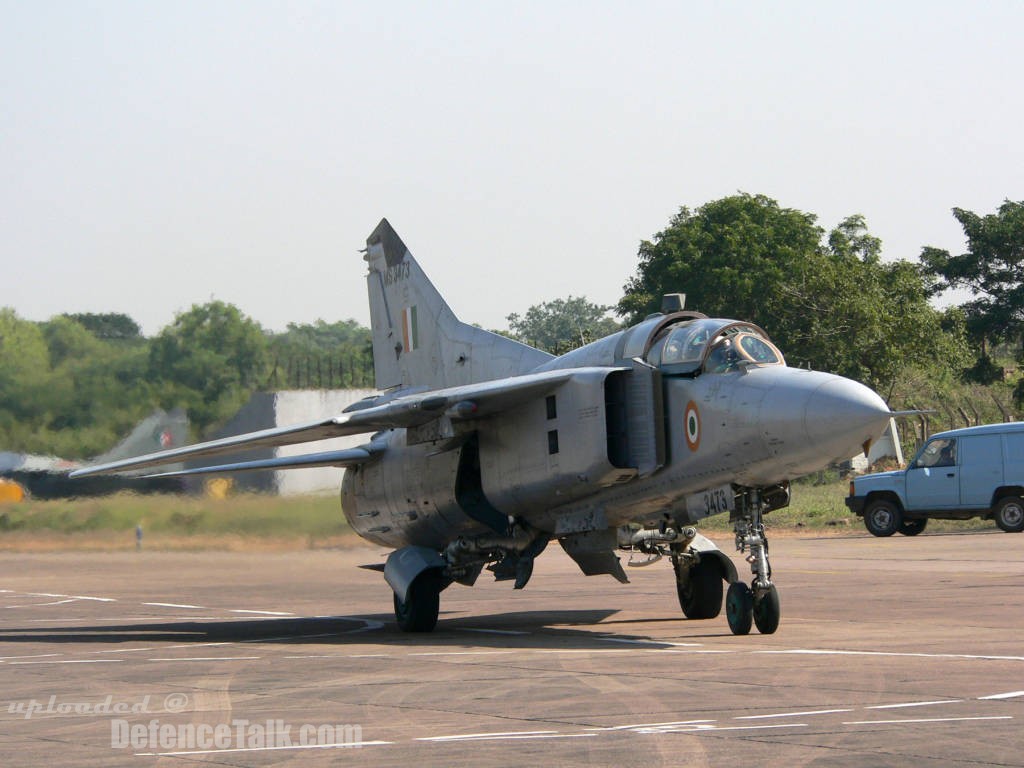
x=673 y=302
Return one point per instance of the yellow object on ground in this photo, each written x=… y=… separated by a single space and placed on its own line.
x=10 y=491
x=219 y=487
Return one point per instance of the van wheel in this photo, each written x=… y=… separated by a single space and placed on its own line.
x=913 y=527
x=1009 y=514
x=882 y=518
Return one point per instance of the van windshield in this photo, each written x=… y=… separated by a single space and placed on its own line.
x=940 y=452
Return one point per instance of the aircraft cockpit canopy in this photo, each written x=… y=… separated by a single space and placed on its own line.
x=709 y=345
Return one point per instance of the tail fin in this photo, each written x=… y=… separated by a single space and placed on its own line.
x=417 y=340
x=156 y=432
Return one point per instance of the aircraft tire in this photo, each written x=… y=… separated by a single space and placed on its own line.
x=767 y=612
x=882 y=517
x=913 y=527
x=700 y=596
x=1009 y=514
x=419 y=612
x=739 y=608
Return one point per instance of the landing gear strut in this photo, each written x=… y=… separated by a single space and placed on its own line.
x=759 y=603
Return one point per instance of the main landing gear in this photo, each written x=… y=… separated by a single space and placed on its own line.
x=757 y=604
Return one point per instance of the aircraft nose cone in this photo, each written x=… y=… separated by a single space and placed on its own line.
x=840 y=415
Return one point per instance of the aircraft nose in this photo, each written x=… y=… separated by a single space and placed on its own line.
x=841 y=415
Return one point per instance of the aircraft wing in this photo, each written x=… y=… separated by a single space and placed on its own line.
x=349 y=457
x=472 y=401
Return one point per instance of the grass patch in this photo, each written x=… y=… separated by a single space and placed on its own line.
x=817 y=505
x=273 y=523
x=174 y=522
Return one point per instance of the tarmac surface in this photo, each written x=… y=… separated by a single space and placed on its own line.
x=901 y=652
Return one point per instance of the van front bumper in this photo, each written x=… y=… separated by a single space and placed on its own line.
x=855 y=504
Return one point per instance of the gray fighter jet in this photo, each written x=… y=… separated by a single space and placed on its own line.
x=484 y=450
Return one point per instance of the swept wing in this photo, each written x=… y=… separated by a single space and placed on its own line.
x=471 y=401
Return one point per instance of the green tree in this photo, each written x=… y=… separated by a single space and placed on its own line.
x=24 y=371
x=830 y=303
x=208 y=360
x=109 y=326
x=562 y=324
x=343 y=347
x=992 y=269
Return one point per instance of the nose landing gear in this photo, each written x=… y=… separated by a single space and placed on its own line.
x=757 y=604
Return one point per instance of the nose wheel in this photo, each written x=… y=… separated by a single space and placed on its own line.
x=757 y=604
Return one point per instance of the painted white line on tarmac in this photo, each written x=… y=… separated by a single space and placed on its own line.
x=914 y=704
x=1010 y=695
x=30 y=656
x=493 y=735
x=927 y=720
x=491 y=631
x=793 y=714
x=176 y=605
x=208 y=658
x=261 y=613
x=71 y=661
x=264 y=749
x=648 y=725
x=896 y=654
x=460 y=653
x=715 y=728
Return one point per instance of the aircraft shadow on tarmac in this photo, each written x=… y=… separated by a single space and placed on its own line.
x=523 y=629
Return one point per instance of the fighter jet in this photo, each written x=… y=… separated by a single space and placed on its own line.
x=484 y=450
x=46 y=477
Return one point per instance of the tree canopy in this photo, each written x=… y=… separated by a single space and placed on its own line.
x=829 y=302
x=992 y=269
x=562 y=324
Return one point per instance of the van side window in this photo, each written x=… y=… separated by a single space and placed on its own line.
x=938 y=453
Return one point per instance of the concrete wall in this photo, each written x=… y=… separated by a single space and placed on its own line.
x=297 y=406
x=266 y=410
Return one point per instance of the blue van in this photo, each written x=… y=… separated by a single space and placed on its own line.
x=963 y=473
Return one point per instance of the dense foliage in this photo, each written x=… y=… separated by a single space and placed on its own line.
x=75 y=384
x=829 y=302
x=562 y=324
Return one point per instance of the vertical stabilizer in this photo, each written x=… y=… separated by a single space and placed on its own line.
x=417 y=340
x=156 y=432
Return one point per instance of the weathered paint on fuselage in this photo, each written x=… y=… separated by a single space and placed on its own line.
x=755 y=426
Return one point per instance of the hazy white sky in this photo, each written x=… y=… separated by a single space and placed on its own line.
x=157 y=154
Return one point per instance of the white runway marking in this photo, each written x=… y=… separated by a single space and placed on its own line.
x=1011 y=695
x=813 y=652
x=496 y=735
x=460 y=653
x=648 y=725
x=793 y=714
x=71 y=661
x=261 y=613
x=491 y=631
x=176 y=605
x=30 y=656
x=715 y=728
x=264 y=749
x=914 y=704
x=209 y=658
x=926 y=720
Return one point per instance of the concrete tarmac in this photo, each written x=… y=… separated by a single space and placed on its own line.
x=891 y=652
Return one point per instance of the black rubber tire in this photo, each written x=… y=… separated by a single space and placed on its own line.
x=739 y=608
x=882 y=517
x=913 y=527
x=767 y=612
x=1009 y=514
x=700 y=596
x=419 y=613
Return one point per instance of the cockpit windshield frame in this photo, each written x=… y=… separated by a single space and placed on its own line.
x=711 y=345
